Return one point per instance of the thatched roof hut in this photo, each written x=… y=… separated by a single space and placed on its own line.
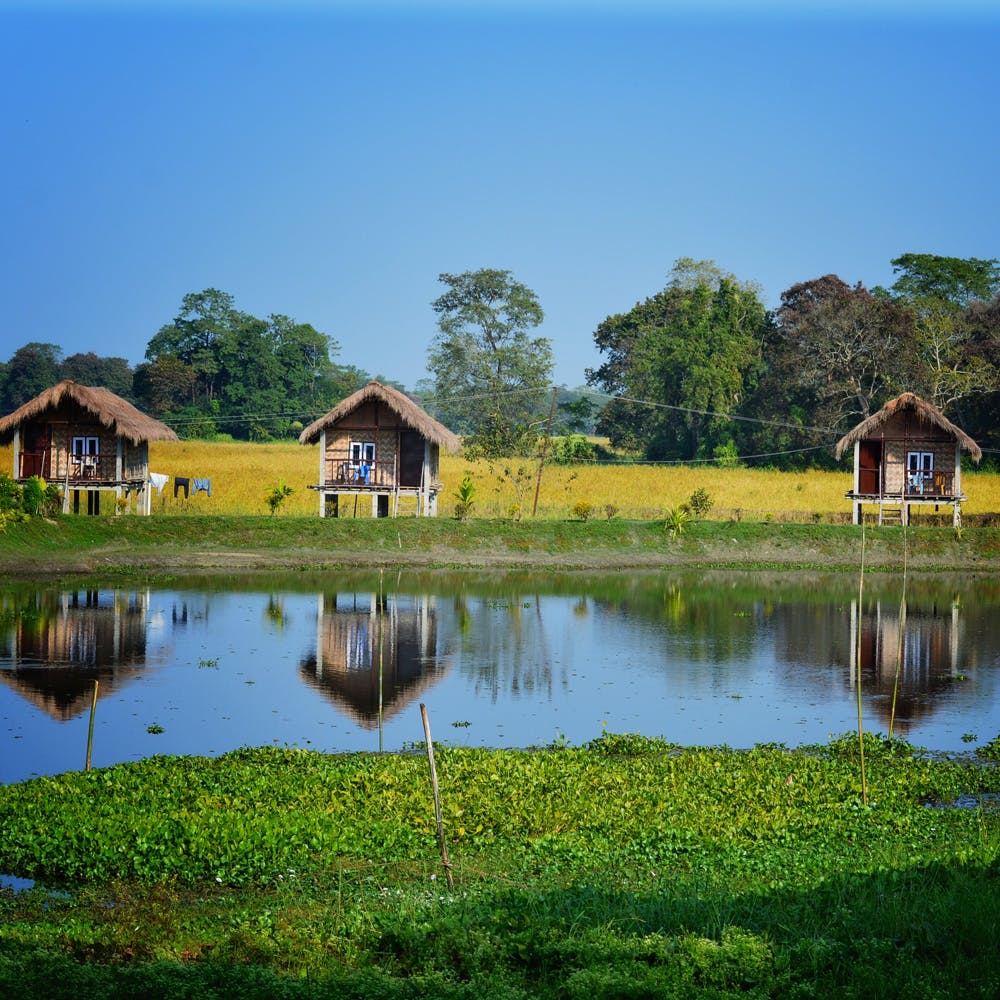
x=908 y=454
x=102 y=405
x=378 y=443
x=398 y=403
x=908 y=402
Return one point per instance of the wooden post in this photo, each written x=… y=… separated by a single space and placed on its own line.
x=437 y=797
x=90 y=730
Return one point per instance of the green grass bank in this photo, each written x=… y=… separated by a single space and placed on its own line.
x=627 y=868
x=69 y=545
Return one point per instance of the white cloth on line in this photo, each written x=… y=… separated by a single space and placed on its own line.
x=159 y=480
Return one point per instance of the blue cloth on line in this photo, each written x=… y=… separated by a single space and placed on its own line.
x=201 y=484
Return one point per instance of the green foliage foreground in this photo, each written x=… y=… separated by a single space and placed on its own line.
x=629 y=868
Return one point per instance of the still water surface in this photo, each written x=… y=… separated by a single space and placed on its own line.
x=507 y=661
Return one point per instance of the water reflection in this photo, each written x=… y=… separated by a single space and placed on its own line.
x=53 y=646
x=507 y=661
x=908 y=656
x=375 y=653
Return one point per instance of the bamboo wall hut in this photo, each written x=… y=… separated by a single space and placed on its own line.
x=86 y=440
x=378 y=445
x=907 y=454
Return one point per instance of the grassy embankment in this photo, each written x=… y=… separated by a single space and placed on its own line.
x=627 y=869
x=737 y=532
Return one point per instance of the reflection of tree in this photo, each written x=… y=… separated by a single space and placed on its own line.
x=59 y=643
x=725 y=620
x=375 y=652
x=696 y=625
x=504 y=645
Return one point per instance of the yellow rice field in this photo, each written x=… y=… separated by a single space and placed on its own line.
x=243 y=474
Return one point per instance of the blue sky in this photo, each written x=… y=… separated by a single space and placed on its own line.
x=328 y=161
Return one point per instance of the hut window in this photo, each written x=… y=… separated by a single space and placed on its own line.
x=86 y=446
x=919 y=470
x=363 y=451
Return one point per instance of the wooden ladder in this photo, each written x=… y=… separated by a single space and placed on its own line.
x=890 y=515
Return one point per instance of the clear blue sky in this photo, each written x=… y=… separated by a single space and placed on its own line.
x=328 y=161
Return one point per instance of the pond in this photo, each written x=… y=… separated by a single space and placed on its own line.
x=342 y=662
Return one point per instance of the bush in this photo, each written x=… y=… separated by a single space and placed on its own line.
x=277 y=496
x=465 y=498
x=677 y=519
x=32 y=495
x=700 y=502
x=10 y=494
x=573 y=448
x=581 y=509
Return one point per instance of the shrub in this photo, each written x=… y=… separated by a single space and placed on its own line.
x=465 y=498
x=581 y=509
x=700 y=502
x=573 y=448
x=677 y=519
x=32 y=493
x=10 y=494
x=277 y=496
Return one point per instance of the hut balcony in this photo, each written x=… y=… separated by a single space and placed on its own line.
x=78 y=469
x=344 y=473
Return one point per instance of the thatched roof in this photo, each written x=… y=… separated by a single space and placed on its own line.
x=103 y=405
x=925 y=411
x=404 y=408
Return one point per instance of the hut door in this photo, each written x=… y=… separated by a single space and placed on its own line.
x=35 y=451
x=870 y=468
x=411 y=458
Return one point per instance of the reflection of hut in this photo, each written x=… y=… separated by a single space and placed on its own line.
x=87 y=440
x=908 y=453
x=358 y=639
x=922 y=641
x=378 y=443
x=58 y=645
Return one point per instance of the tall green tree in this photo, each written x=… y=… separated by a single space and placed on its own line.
x=197 y=336
x=218 y=367
x=841 y=350
x=90 y=369
x=948 y=364
x=682 y=362
x=490 y=376
x=959 y=280
x=31 y=369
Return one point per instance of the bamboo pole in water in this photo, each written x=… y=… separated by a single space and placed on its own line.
x=437 y=797
x=899 y=642
x=90 y=729
x=857 y=673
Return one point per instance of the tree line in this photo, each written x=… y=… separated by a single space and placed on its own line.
x=699 y=371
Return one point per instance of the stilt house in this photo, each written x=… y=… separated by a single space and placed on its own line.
x=907 y=454
x=378 y=445
x=87 y=441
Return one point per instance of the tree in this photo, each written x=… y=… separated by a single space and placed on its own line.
x=682 y=361
x=197 y=336
x=489 y=375
x=164 y=384
x=114 y=374
x=844 y=349
x=217 y=366
x=32 y=369
x=959 y=280
x=941 y=291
